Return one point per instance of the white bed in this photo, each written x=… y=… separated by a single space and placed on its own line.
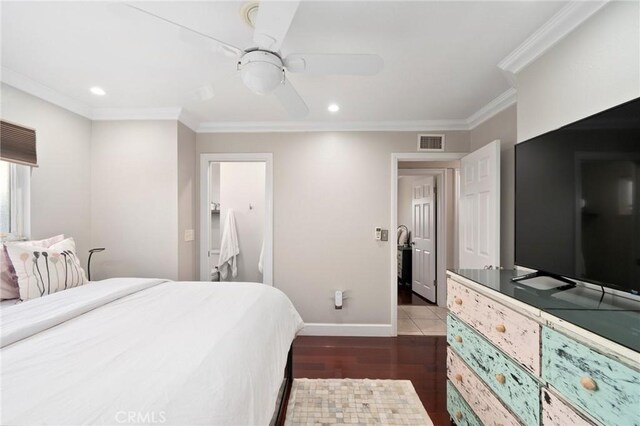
x=146 y=351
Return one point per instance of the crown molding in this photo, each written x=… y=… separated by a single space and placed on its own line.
x=189 y=120
x=329 y=126
x=39 y=90
x=555 y=29
x=48 y=94
x=499 y=104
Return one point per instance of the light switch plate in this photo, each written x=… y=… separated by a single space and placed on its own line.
x=384 y=235
x=189 y=235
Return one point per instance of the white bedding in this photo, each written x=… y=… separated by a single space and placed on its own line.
x=125 y=351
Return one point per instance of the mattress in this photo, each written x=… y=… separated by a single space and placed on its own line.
x=146 y=351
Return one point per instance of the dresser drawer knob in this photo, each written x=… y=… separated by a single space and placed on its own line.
x=457 y=300
x=500 y=378
x=588 y=383
x=458 y=377
x=500 y=328
x=457 y=339
x=458 y=414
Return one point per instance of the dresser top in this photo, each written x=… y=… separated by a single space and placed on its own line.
x=611 y=316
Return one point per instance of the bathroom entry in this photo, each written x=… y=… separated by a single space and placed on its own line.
x=236 y=223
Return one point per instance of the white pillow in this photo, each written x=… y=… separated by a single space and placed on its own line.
x=43 y=271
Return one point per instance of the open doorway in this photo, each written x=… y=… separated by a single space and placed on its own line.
x=236 y=218
x=416 y=314
x=426 y=209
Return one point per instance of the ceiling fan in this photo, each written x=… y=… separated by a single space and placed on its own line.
x=262 y=67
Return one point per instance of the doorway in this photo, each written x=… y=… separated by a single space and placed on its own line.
x=236 y=218
x=417 y=164
x=426 y=219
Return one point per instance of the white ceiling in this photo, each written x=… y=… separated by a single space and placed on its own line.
x=440 y=57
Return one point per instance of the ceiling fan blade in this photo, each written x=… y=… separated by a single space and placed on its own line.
x=272 y=23
x=291 y=100
x=342 y=64
x=187 y=34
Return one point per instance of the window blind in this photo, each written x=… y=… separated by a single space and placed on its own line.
x=18 y=144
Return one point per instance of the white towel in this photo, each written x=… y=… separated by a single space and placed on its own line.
x=229 y=248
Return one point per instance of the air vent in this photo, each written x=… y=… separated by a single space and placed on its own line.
x=430 y=142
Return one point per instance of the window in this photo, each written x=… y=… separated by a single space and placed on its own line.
x=15 y=182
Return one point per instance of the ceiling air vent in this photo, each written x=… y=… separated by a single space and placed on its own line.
x=430 y=142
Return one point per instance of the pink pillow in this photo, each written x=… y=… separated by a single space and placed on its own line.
x=8 y=278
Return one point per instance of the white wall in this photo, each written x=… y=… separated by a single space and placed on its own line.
x=242 y=184
x=594 y=68
x=134 y=198
x=60 y=186
x=331 y=189
x=502 y=126
x=186 y=202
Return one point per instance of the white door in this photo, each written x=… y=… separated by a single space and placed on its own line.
x=479 y=226
x=423 y=259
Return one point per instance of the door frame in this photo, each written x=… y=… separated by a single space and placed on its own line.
x=205 y=223
x=393 y=249
x=441 y=212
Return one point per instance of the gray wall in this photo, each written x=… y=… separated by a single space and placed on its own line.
x=187 y=207
x=331 y=189
x=60 y=186
x=594 y=68
x=502 y=126
x=134 y=198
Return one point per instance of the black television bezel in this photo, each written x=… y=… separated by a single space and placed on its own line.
x=515 y=218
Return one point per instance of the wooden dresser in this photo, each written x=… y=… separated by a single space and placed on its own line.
x=520 y=356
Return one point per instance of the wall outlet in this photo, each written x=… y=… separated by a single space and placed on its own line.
x=189 y=235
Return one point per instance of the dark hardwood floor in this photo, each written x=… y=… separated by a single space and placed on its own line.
x=421 y=359
x=408 y=297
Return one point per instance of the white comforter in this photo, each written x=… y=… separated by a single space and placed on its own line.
x=140 y=351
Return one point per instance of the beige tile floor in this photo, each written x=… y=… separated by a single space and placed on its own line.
x=422 y=320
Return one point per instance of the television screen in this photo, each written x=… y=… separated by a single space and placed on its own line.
x=577 y=200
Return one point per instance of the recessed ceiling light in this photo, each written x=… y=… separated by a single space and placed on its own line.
x=99 y=91
x=333 y=108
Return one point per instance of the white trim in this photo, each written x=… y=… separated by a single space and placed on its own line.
x=102 y=114
x=329 y=126
x=497 y=105
x=39 y=90
x=355 y=330
x=205 y=212
x=393 y=248
x=188 y=120
x=55 y=97
x=555 y=29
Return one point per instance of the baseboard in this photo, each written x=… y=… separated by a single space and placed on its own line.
x=355 y=330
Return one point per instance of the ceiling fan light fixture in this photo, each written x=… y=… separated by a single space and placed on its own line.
x=261 y=71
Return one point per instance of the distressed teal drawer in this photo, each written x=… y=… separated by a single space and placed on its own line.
x=513 y=385
x=571 y=368
x=458 y=409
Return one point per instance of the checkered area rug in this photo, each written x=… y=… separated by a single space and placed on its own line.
x=359 y=402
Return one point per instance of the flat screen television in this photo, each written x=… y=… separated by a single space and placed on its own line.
x=577 y=200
